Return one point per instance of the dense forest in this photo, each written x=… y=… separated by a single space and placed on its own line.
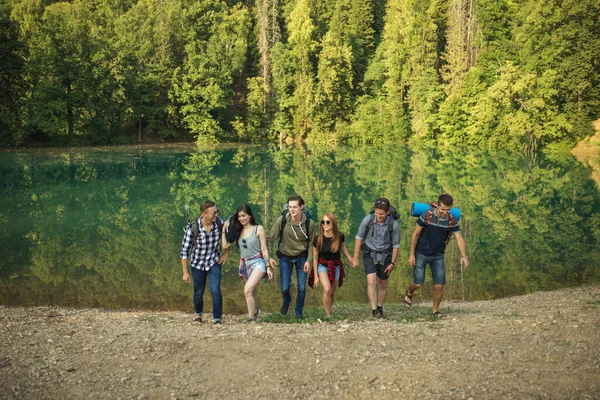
x=513 y=73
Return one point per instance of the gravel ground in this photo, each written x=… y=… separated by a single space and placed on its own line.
x=542 y=345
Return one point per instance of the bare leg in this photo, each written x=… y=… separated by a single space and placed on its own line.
x=372 y=290
x=324 y=278
x=250 y=291
x=438 y=293
x=334 y=287
x=382 y=292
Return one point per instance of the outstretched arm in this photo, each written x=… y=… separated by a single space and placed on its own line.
x=462 y=246
x=413 y=244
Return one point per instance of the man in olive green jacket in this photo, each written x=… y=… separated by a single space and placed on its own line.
x=294 y=251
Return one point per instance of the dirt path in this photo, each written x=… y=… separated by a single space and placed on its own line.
x=542 y=345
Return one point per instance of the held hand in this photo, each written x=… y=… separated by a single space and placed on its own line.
x=186 y=277
x=389 y=269
x=354 y=263
x=272 y=263
x=269 y=273
x=412 y=260
x=222 y=259
x=306 y=267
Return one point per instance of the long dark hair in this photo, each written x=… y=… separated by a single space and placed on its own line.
x=245 y=208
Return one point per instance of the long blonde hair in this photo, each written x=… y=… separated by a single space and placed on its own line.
x=335 y=241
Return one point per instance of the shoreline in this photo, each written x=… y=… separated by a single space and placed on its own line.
x=539 y=345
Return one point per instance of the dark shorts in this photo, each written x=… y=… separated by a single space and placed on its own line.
x=438 y=271
x=372 y=268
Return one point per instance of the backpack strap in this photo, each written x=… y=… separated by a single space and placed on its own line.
x=390 y=226
x=194 y=233
x=307 y=225
x=451 y=221
x=284 y=222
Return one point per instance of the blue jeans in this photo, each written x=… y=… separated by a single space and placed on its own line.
x=438 y=271
x=286 y=264
x=214 y=283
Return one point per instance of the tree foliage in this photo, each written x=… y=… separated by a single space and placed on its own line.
x=106 y=71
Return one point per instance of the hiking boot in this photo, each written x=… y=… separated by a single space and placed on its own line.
x=284 y=309
x=374 y=314
x=379 y=314
x=257 y=314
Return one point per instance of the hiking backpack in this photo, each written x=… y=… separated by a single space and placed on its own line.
x=195 y=228
x=451 y=220
x=284 y=213
x=392 y=213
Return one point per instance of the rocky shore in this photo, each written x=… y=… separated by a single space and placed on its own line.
x=542 y=345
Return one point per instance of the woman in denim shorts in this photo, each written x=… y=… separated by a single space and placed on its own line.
x=327 y=264
x=253 y=255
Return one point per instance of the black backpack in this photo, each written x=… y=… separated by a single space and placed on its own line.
x=284 y=213
x=392 y=213
x=195 y=228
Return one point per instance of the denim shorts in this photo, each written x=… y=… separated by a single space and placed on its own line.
x=322 y=268
x=255 y=264
x=438 y=271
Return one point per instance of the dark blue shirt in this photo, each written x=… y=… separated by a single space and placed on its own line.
x=433 y=237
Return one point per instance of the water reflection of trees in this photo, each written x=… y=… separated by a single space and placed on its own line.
x=86 y=232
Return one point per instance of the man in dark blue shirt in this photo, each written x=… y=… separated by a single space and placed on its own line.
x=430 y=237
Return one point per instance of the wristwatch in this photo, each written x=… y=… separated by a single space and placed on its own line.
x=393 y=263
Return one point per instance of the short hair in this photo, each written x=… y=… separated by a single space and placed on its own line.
x=297 y=198
x=382 y=203
x=206 y=205
x=446 y=200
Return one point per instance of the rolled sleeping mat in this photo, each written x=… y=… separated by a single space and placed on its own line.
x=419 y=208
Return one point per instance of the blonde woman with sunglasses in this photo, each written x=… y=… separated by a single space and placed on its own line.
x=254 y=257
x=327 y=260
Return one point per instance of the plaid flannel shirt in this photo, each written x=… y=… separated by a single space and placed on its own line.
x=208 y=246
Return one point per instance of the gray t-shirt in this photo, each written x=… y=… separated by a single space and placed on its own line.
x=250 y=246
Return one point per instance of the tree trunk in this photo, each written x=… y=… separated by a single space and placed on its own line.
x=70 y=122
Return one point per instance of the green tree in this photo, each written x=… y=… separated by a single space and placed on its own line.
x=61 y=52
x=11 y=80
x=301 y=48
x=333 y=97
x=215 y=54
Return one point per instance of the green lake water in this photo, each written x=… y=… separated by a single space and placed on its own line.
x=102 y=227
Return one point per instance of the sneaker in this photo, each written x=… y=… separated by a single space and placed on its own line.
x=250 y=321
x=257 y=314
x=374 y=314
x=379 y=314
x=299 y=317
x=198 y=319
x=284 y=309
x=217 y=322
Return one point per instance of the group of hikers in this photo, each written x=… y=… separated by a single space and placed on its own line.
x=315 y=254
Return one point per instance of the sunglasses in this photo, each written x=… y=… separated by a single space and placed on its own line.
x=214 y=213
x=244 y=243
x=381 y=203
x=323 y=222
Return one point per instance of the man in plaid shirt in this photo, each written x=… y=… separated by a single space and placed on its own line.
x=206 y=259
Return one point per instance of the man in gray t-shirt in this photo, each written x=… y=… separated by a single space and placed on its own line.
x=379 y=238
